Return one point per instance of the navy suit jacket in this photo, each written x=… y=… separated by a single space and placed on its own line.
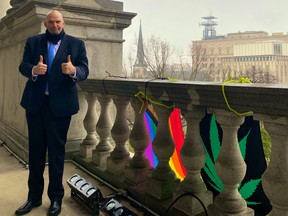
x=62 y=88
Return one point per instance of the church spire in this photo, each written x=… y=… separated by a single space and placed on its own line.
x=140 y=50
x=139 y=67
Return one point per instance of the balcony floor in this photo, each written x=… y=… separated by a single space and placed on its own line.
x=13 y=187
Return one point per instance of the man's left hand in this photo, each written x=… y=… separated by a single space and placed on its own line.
x=68 y=68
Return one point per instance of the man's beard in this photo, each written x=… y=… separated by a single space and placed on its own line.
x=57 y=32
x=54 y=38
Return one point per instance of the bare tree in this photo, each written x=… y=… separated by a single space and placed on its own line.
x=157 y=56
x=127 y=69
x=223 y=73
x=201 y=67
x=257 y=75
x=130 y=57
x=181 y=66
x=197 y=53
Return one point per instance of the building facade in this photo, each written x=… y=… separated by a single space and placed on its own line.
x=240 y=53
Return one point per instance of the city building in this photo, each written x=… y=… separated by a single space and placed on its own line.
x=241 y=53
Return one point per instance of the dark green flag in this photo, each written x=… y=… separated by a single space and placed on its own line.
x=250 y=143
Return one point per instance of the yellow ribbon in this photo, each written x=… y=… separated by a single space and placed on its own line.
x=241 y=80
x=139 y=94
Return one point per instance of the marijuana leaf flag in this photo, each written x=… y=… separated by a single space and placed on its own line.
x=251 y=148
x=250 y=144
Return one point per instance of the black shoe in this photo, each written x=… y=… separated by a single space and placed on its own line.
x=27 y=207
x=55 y=208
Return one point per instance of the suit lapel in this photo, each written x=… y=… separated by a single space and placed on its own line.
x=62 y=48
x=44 y=51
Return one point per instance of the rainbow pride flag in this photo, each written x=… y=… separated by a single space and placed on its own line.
x=177 y=134
x=249 y=138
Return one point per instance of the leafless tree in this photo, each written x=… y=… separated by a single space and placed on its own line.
x=224 y=73
x=157 y=55
x=257 y=75
x=201 y=67
x=198 y=54
x=129 y=58
x=127 y=68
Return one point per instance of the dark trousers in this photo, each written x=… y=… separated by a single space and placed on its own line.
x=46 y=132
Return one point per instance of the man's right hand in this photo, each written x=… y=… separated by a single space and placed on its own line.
x=40 y=68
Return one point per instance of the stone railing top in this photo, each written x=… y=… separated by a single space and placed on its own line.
x=260 y=98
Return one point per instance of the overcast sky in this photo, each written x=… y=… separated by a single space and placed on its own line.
x=177 y=21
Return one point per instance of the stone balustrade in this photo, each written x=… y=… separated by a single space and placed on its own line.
x=110 y=159
x=104 y=150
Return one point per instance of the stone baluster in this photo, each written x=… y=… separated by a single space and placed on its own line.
x=89 y=122
x=193 y=158
x=119 y=157
x=139 y=168
x=103 y=128
x=163 y=181
x=275 y=178
x=230 y=168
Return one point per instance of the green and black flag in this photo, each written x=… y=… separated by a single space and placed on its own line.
x=250 y=144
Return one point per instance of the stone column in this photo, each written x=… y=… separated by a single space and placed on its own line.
x=103 y=128
x=119 y=157
x=162 y=182
x=89 y=123
x=275 y=178
x=139 y=168
x=230 y=168
x=193 y=157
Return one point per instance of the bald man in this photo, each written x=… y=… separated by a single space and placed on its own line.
x=53 y=62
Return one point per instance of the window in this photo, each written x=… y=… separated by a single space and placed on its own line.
x=228 y=50
x=212 y=51
x=219 y=51
x=278 y=49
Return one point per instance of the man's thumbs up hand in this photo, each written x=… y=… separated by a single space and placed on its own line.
x=41 y=59
x=68 y=68
x=40 y=68
x=68 y=58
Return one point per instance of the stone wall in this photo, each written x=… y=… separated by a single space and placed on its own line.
x=99 y=23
